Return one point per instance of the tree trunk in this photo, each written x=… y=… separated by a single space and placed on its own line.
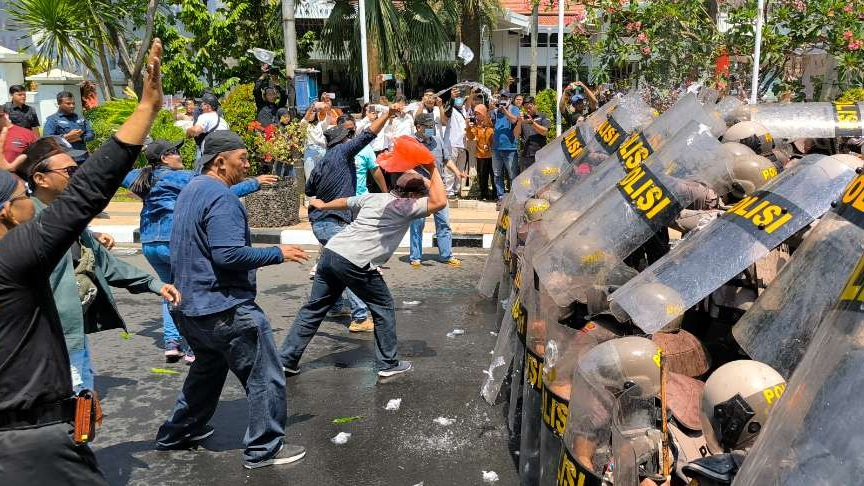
x=133 y=69
x=471 y=37
x=374 y=58
x=532 y=77
x=106 y=71
x=289 y=33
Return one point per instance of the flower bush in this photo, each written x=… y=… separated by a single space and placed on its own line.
x=276 y=143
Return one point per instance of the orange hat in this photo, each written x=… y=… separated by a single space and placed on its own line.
x=407 y=153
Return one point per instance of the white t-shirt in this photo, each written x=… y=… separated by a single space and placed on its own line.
x=456 y=129
x=209 y=120
x=380 y=223
x=397 y=127
x=381 y=142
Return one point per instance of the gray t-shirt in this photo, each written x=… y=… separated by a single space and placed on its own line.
x=380 y=223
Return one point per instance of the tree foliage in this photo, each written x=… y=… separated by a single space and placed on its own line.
x=670 y=42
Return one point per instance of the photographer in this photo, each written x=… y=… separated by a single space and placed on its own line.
x=531 y=130
x=572 y=105
x=267 y=91
x=504 y=144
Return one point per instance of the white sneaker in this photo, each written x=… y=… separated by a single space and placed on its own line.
x=287 y=454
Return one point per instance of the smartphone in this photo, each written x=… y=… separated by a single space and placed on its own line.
x=332 y=96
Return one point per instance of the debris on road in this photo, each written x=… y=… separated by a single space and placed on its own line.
x=163 y=371
x=341 y=438
x=455 y=332
x=394 y=404
x=346 y=420
x=444 y=421
x=490 y=476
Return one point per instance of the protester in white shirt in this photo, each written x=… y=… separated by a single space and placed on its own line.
x=316 y=143
x=208 y=121
x=382 y=141
x=401 y=124
x=457 y=114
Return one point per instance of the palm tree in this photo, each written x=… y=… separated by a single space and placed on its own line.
x=532 y=73
x=475 y=15
x=409 y=36
x=87 y=33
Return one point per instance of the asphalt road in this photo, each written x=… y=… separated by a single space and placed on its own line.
x=404 y=447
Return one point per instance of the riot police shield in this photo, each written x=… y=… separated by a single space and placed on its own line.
x=817 y=439
x=637 y=441
x=635 y=151
x=555 y=157
x=749 y=230
x=808 y=120
x=777 y=329
x=497 y=260
x=502 y=355
x=631 y=115
x=602 y=373
x=564 y=346
x=641 y=204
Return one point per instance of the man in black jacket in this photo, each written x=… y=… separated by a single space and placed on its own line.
x=269 y=97
x=36 y=410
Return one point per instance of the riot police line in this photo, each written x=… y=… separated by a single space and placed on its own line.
x=636 y=358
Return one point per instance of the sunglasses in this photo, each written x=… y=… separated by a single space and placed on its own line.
x=70 y=171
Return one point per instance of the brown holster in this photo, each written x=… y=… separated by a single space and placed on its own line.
x=88 y=415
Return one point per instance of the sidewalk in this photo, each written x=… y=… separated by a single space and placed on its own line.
x=473 y=224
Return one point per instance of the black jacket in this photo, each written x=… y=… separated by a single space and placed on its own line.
x=34 y=364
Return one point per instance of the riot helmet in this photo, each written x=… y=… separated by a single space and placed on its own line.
x=736 y=402
x=657 y=296
x=750 y=173
x=751 y=134
x=738 y=149
x=625 y=362
x=535 y=207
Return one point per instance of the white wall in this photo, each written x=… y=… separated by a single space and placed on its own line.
x=10 y=75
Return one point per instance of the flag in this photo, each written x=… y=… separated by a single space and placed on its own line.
x=465 y=53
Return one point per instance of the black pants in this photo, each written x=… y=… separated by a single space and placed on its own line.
x=46 y=455
x=484 y=177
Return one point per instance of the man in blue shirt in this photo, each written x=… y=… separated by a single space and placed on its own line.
x=504 y=142
x=69 y=125
x=214 y=263
x=335 y=177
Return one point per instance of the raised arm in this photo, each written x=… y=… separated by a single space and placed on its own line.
x=592 y=98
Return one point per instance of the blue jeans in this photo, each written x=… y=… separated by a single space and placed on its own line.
x=158 y=254
x=501 y=161
x=323 y=231
x=82 y=368
x=442 y=231
x=334 y=275
x=240 y=340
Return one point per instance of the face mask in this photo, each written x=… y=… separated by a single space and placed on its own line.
x=459 y=102
x=351 y=133
x=429 y=132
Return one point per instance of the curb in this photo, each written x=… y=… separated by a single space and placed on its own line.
x=276 y=236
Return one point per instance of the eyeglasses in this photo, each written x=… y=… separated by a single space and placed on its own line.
x=22 y=195
x=70 y=171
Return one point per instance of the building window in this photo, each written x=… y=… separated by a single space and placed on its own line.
x=542 y=39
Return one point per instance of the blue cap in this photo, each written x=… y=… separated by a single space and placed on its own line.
x=576 y=98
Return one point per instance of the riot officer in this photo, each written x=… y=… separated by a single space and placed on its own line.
x=736 y=402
